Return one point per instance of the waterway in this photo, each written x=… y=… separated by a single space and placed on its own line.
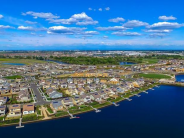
x=159 y=114
x=17 y=64
x=180 y=78
x=127 y=63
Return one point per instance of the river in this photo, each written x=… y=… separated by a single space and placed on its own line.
x=180 y=77
x=159 y=114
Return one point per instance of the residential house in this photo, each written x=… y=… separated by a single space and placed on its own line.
x=114 y=81
x=70 y=80
x=46 y=85
x=5 y=91
x=96 y=97
x=73 y=91
x=56 y=105
x=3 y=100
x=80 y=84
x=28 y=109
x=3 y=110
x=89 y=80
x=14 y=110
x=85 y=98
x=109 y=92
x=77 y=100
x=71 y=86
x=81 y=91
x=24 y=96
x=54 y=85
x=63 y=85
x=52 y=93
x=67 y=102
x=103 y=94
x=15 y=89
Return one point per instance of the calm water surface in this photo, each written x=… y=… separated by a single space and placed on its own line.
x=126 y=63
x=159 y=114
x=180 y=77
x=18 y=64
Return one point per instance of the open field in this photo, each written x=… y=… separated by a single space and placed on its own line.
x=150 y=61
x=13 y=77
x=22 y=61
x=154 y=76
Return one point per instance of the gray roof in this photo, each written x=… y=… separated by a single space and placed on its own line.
x=56 y=95
x=56 y=104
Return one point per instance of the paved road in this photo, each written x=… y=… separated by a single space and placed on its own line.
x=40 y=100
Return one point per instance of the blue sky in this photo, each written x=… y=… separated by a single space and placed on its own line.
x=91 y=24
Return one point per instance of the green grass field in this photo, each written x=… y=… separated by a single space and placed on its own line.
x=154 y=76
x=22 y=61
x=150 y=61
x=13 y=77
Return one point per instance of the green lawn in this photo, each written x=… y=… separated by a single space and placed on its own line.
x=151 y=60
x=22 y=61
x=29 y=117
x=61 y=113
x=49 y=109
x=154 y=76
x=13 y=77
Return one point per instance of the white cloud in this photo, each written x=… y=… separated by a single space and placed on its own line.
x=1 y=16
x=90 y=9
x=91 y=33
x=126 y=33
x=100 y=9
x=165 y=26
x=41 y=15
x=166 y=18
x=134 y=23
x=158 y=31
x=87 y=23
x=26 y=28
x=116 y=20
x=65 y=30
x=78 y=19
x=107 y=8
x=105 y=37
x=29 y=28
x=81 y=16
x=70 y=42
x=155 y=35
x=111 y=28
x=30 y=22
x=6 y=27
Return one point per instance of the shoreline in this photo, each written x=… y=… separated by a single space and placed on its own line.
x=110 y=104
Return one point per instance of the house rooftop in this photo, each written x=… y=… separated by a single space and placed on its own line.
x=28 y=107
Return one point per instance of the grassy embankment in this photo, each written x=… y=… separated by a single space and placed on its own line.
x=154 y=76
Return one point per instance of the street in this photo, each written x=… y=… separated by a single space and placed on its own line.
x=40 y=100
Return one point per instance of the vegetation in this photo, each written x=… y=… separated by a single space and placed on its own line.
x=18 y=60
x=78 y=109
x=38 y=110
x=10 y=121
x=154 y=76
x=29 y=117
x=13 y=77
x=60 y=113
x=83 y=60
x=49 y=109
x=1 y=118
